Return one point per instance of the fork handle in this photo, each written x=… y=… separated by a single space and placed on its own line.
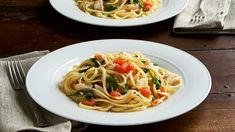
x=202 y=3
x=39 y=119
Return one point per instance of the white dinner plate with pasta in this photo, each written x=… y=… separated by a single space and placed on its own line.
x=118 y=82
x=119 y=13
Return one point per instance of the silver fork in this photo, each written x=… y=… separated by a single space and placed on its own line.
x=17 y=79
x=199 y=15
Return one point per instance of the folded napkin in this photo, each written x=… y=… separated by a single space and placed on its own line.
x=220 y=18
x=14 y=112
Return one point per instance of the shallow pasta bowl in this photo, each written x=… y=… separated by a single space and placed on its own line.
x=168 y=9
x=45 y=75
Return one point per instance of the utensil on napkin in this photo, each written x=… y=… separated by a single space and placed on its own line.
x=17 y=78
x=14 y=111
x=199 y=15
x=220 y=18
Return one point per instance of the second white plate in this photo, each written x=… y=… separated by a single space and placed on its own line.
x=168 y=9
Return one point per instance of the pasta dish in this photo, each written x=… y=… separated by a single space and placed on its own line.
x=119 y=82
x=118 y=9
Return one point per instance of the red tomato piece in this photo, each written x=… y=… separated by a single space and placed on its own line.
x=115 y=93
x=145 y=92
x=154 y=102
x=119 y=61
x=88 y=102
x=160 y=95
x=130 y=67
x=123 y=67
x=98 y=55
x=148 y=5
x=163 y=89
x=134 y=72
x=119 y=68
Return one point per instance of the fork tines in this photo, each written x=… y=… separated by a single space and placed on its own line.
x=16 y=73
x=17 y=80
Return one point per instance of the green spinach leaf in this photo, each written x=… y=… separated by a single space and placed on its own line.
x=111 y=83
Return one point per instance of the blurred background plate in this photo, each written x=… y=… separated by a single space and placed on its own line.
x=168 y=9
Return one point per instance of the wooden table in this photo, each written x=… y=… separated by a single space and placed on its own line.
x=34 y=25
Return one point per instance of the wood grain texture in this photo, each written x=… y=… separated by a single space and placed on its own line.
x=53 y=33
x=38 y=24
x=194 y=121
x=218 y=101
x=216 y=113
x=25 y=3
x=221 y=65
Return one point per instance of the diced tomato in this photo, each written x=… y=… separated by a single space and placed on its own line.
x=119 y=61
x=163 y=89
x=160 y=95
x=119 y=68
x=148 y=5
x=115 y=93
x=154 y=102
x=123 y=66
x=134 y=72
x=88 y=102
x=130 y=67
x=145 y=92
x=98 y=55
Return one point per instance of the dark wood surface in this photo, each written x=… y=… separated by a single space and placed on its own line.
x=28 y=25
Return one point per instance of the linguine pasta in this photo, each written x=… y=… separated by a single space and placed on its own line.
x=118 y=9
x=119 y=82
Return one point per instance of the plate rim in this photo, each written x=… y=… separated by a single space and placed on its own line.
x=134 y=123
x=113 y=23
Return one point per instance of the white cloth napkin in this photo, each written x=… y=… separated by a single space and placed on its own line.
x=14 y=112
x=220 y=18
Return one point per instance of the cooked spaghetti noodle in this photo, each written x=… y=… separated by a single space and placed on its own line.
x=118 y=9
x=119 y=82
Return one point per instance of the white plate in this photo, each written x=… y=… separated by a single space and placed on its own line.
x=44 y=76
x=69 y=9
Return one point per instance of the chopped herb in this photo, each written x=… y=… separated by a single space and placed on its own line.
x=88 y=94
x=155 y=81
x=111 y=8
x=82 y=95
x=155 y=64
x=139 y=3
x=77 y=97
x=95 y=62
x=125 y=89
x=76 y=94
x=145 y=70
x=102 y=61
x=111 y=83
